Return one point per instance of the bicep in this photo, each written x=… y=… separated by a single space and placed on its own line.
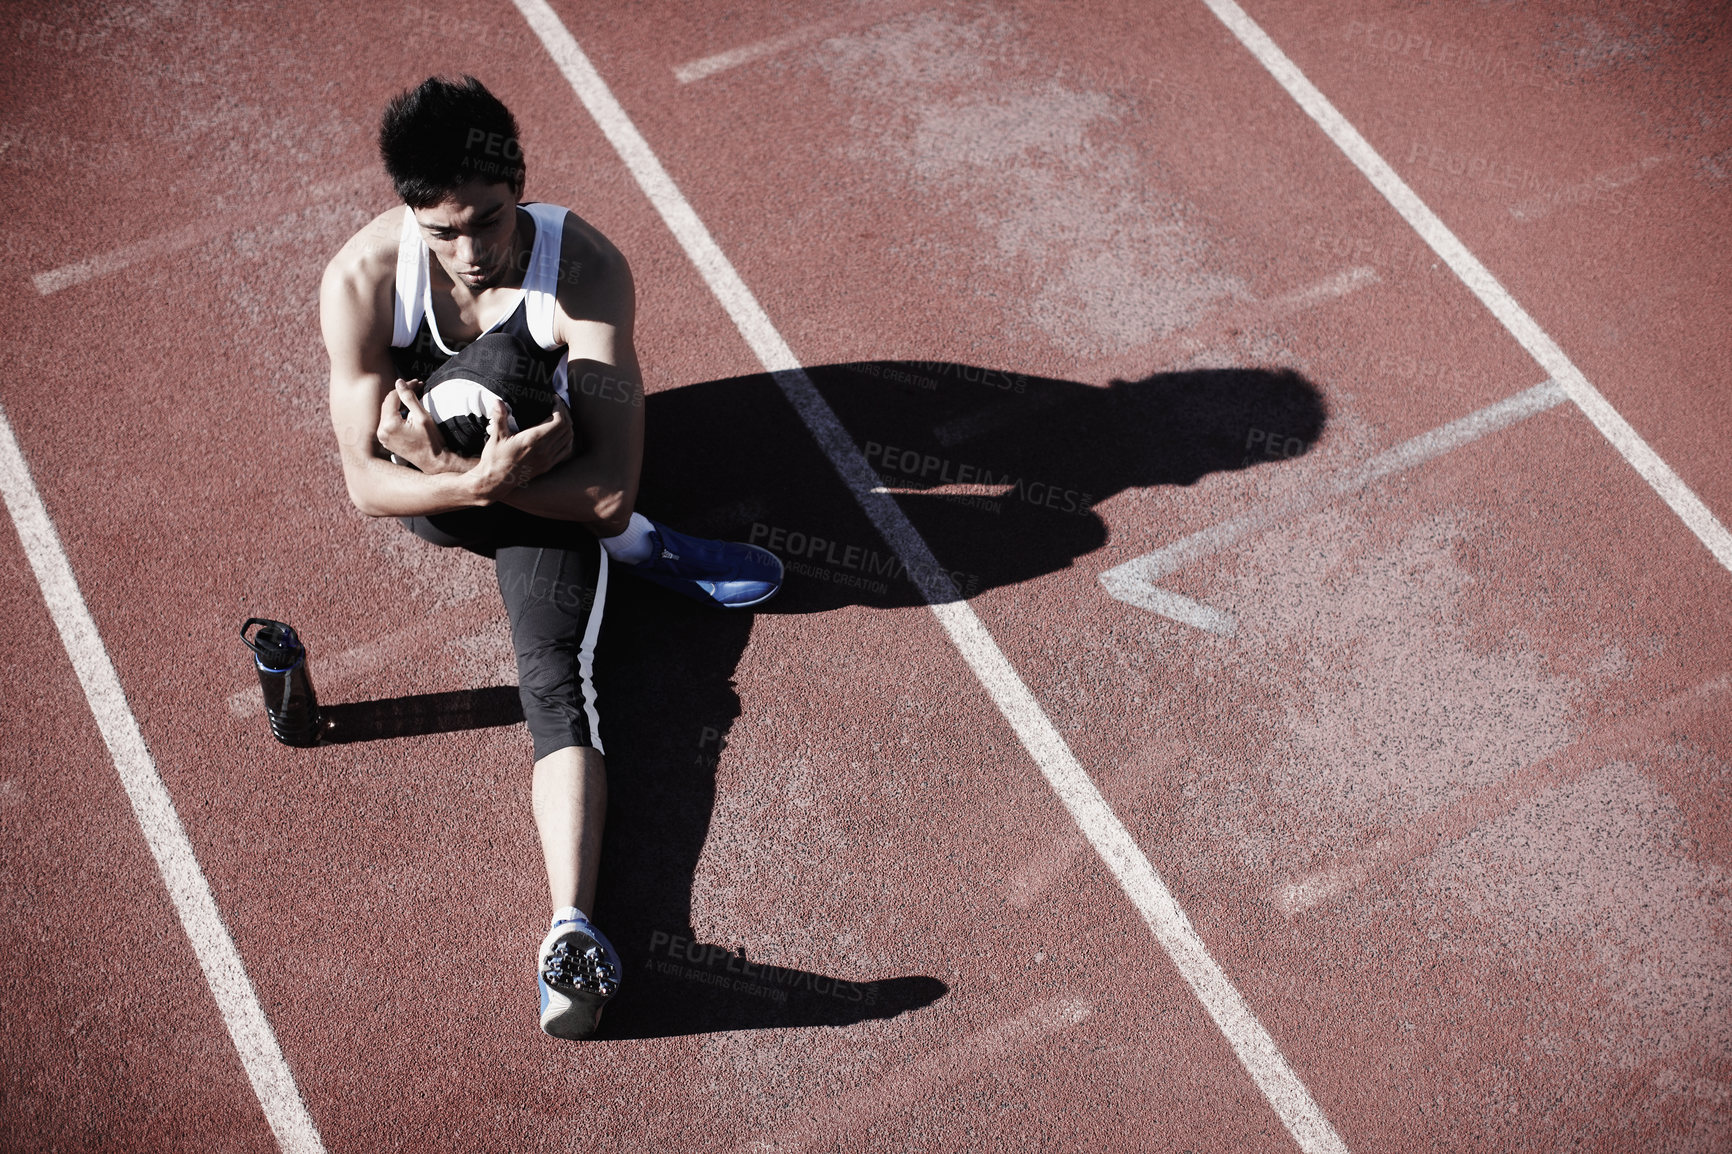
x=361 y=368
x=603 y=381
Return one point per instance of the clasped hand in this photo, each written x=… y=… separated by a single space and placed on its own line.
x=507 y=461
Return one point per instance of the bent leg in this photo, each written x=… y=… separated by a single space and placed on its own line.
x=728 y=574
x=555 y=597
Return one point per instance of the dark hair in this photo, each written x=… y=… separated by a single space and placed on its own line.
x=445 y=133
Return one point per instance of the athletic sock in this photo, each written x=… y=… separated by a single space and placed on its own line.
x=569 y=914
x=633 y=546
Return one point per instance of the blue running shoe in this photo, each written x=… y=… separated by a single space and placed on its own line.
x=578 y=973
x=725 y=573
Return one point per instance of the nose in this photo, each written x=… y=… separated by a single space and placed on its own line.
x=463 y=250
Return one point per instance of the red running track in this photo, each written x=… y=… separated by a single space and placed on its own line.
x=1446 y=804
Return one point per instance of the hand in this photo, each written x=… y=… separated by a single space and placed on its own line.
x=414 y=437
x=511 y=460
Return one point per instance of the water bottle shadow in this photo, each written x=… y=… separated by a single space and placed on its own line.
x=421 y=713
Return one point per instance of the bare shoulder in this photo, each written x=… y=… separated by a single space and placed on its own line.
x=355 y=295
x=594 y=278
x=367 y=262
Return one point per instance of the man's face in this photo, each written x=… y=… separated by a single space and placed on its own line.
x=473 y=233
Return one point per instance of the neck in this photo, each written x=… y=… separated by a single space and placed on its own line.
x=522 y=244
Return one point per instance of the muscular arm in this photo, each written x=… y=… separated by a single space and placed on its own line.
x=598 y=484
x=355 y=316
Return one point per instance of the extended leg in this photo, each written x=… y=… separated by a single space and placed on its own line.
x=570 y=800
x=554 y=595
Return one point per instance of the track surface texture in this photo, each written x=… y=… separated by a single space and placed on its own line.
x=1405 y=683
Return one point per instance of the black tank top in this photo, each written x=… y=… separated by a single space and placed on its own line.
x=531 y=322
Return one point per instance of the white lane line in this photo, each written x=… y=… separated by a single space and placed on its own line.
x=1256 y=1050
x=1156 y=762
x=1479 y=280
x=1134 y=581
x=193 y=235
x=269 y=1073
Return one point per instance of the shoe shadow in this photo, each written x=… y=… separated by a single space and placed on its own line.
x=999 y=472
x=689 y=987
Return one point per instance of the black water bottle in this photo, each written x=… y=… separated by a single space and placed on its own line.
x=282 y=663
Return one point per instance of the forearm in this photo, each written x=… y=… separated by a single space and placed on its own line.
x=380 y=488
x=591 y=490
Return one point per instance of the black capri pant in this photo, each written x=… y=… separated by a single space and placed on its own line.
x=553 y=577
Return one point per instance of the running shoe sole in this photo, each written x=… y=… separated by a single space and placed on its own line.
x=578 y=974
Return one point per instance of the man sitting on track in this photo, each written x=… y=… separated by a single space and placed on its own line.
x=552 y=504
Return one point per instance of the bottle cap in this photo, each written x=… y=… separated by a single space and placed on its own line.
x=275 y=644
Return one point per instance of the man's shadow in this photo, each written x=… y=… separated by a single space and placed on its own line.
x=998 y=471
x=1000 y=474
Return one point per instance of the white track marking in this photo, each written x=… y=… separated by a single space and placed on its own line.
x=1479 y=280
x=926 y=1075
x=193 y=235
x=734 y=57
x=102 y=264
x=1256 y=1050
x=1134 y=581
x=1328 y=289
x=193 y=901
x=1174 y=606
x=1214 y=326
x=776 y=45
x=1623 y=738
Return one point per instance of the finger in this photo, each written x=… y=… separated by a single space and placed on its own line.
x=408 y=399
